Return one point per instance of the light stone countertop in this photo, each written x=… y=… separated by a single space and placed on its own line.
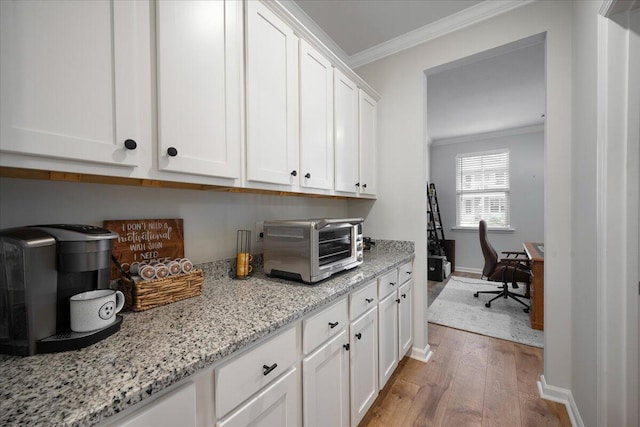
x=159 y=347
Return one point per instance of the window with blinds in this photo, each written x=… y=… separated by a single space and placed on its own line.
x=482 y=189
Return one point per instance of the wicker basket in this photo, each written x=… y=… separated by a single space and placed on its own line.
x=143 y=295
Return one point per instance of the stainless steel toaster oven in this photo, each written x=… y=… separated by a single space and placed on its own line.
x=311 y=250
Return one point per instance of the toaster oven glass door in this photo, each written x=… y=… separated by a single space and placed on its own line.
x=334 y=244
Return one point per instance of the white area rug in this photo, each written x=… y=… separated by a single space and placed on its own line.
x=458 y=308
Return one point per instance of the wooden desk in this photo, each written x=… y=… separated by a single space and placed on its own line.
x=535 y=253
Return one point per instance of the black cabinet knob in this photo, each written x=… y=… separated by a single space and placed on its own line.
x=267 y=369
x=333 y=325
x=130 y=144
x=398 y=300
x=364 y=185
x=346 y=346
x=307 y=175
x=294 y=173
x=369 y=300
x=172 y=151
x=404 y=295
x=359 y=335
x=357 y=184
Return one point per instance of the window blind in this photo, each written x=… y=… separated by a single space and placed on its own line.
x=482 y=189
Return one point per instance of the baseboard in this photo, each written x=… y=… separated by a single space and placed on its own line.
x=468 y=270
x=421 y=354
x=561 y=395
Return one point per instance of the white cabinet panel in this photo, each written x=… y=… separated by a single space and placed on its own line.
x=325 y=387
x=364 y=364
x=367 y=134
x=405 y=316
x=275 y=406
x=346 y=133
x=199 y=50
x=67 y=80
x=316 y=119
x=175 y=409
x=272 y=97
x=387 y=338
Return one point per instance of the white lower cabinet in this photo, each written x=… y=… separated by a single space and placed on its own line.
x=175 y=409
x=325 y=384
x=276 y=406
x=388 y=338
x=364 y=364
x=405 y=315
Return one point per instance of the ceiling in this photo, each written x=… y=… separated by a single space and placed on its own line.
x=492 y=91
x=357 y=25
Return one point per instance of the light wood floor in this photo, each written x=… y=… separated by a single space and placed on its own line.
x=471 y=380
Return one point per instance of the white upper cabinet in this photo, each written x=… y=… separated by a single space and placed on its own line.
x=67 y=80
x=316 y=119
x=272 y=97
x=346 y=133
x=199 y=51
x=367 y=135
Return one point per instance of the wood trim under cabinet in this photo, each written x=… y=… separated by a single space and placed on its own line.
x=21 y=173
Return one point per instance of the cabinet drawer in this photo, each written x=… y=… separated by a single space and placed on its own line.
x=387 y=283
x=319 y=328
x=405 y=271
x=362 y=300
x=244 y=375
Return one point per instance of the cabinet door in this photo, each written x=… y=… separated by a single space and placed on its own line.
x=364 y=364
x=405 y=316
x=325 y=384
x=387 y=338
x=367 y=134
x=346 y=133
x=67 y=80
x=272 y=97
x=177 y=408
x=316 y=119
x=199 y=76
x=275 y=406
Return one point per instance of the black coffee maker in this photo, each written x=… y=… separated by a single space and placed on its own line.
x=41 y=267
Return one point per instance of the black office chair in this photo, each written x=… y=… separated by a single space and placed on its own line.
x=507 y=269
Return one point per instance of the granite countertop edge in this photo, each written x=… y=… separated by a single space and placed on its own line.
x=162 y=377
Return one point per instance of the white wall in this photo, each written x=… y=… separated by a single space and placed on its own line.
x=584 y=367
x=211 y=218
x=526 y=162
x=403 y=169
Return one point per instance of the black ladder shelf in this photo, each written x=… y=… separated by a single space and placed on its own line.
x=435 y=232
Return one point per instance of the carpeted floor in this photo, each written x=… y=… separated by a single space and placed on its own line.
x=458 y=308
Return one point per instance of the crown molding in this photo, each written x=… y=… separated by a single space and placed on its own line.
x=464 y=18
x=312 y=26
x=488 y=135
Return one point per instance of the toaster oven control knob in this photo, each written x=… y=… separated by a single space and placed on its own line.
x=130 y=144
x=307 y=175
x=359 y=257
x=294 y=173
x=359 y=246
x=172 y=151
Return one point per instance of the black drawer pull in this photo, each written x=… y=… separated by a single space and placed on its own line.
x=268 y=369
x=408 y=272
x=392 y=283
x=359 y=335
x=346 y=346
x=398 y=300
x=333 y=325
x=404 y=295
x=369 y=300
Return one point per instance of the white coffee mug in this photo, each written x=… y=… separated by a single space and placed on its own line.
x=95 y=310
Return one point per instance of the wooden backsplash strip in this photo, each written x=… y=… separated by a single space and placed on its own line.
x=146 y=239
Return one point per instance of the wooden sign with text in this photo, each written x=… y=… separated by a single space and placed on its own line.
x=144 y=240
